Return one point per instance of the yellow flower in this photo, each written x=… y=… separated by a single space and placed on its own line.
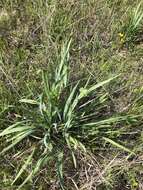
x=121 y=35
x=122 y=40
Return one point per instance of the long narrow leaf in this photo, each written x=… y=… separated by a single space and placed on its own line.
x=106 y=121
x=15 y=130
x=118 y=145
x=11 y=127
x=28 y=161
x=72 y=153
x=59 y=165
x=16 y=141
x=84 y=91
x=29 y=101
x=69 y=101
x=33 y=172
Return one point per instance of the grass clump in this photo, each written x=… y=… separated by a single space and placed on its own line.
x=62 y=119
x=131 y=29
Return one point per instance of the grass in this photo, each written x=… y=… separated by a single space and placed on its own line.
x=69 y=121
x=89 y=124
x=132 y=28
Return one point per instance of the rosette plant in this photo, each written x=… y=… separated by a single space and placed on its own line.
x=64 y=117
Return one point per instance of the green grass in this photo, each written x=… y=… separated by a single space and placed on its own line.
x=106 y=41
x=132 y=28
x=68 y=121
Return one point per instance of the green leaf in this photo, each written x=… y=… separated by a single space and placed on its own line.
x=5 y=131
x=33 y=172
x=72 y=153
x=84 y=91
x=15 y=130
x=47 y=142
x=106 y=121
x=29 y=101
x=16 y=141
x=26 y=180
x=77 y=144
x=59 y=165
x=69 y=101
x=28 y=161
x=138 y=15
x=118 y=145
x=61 y=74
